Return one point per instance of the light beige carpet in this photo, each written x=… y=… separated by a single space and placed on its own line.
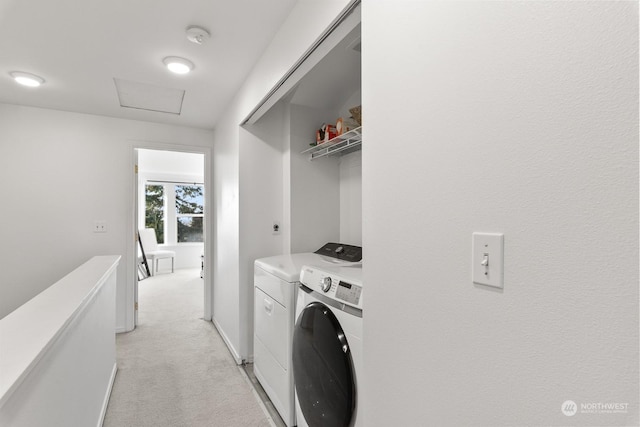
x=174 y=369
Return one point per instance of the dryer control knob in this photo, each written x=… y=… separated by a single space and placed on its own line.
x=326 y=284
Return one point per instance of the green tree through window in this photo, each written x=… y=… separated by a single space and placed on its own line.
x=154 y=210
x=189 y=212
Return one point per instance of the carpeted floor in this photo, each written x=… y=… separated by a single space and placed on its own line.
x=174 y=369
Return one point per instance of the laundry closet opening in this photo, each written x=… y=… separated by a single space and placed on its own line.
x=170 y=219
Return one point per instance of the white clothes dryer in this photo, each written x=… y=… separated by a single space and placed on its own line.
x=275 y=288
x=327 y=346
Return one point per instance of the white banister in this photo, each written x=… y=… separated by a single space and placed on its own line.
x=57 y=351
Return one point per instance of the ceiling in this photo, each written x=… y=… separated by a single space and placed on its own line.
x=82 y=48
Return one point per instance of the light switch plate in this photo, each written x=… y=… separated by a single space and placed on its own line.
x=487 y=259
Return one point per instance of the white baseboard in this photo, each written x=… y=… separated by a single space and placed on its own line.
x=105 y=403
x=226 y=340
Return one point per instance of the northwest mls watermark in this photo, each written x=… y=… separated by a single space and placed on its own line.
x=570 y=408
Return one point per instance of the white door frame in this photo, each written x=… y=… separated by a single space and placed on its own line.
x=132 y=242
x=136 y=236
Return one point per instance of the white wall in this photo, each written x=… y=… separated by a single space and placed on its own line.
x=315 y=186
x=512 y=117
x=174 y=163
x=63 y=372
x=351 y=198
x=351 y=186
x=226 y=289
x=233 y=262
x=261 y=173
x=61 y=172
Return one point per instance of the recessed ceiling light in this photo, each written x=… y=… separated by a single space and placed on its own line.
x=178 y=65
x=27 y=79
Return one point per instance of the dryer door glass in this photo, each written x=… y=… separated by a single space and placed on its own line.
x=323 y=368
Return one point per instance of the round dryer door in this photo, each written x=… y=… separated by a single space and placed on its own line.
x=323 y=368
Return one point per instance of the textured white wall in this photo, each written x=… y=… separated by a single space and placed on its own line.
x=63 y=171
x=513 y=117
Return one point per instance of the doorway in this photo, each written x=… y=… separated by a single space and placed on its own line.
x=171 y=198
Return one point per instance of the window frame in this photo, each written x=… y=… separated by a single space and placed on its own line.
x=187 y=215
x=162 y=240
x=170 y=214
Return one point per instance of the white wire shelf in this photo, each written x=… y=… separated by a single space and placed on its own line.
x=347 y=140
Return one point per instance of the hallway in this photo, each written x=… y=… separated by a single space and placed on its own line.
x=174 y=368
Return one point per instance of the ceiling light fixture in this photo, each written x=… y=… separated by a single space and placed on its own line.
x=197 y=35
x=178 y=65
x=27 y=79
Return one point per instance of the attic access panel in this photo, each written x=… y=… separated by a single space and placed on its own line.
x=144 y=96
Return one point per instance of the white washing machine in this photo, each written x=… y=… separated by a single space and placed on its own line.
x=276 y=280
x=327 y=346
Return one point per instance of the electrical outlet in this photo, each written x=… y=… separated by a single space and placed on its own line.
x=100 y=226
x=276 y=227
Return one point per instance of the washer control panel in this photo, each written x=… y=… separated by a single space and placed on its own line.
x=344 y=288
x=348 y=292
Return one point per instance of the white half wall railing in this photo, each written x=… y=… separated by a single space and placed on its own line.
x=58 y=351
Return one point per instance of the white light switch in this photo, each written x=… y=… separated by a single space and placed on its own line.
x=487 y=259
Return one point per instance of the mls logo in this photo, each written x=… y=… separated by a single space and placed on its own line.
x=569 y=408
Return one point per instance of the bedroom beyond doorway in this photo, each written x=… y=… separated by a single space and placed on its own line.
x=171 y=201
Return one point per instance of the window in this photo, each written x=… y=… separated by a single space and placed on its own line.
x=154 y=210
x=189 y=212
x=182 y=225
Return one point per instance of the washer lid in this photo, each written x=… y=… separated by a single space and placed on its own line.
x=287 y=267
